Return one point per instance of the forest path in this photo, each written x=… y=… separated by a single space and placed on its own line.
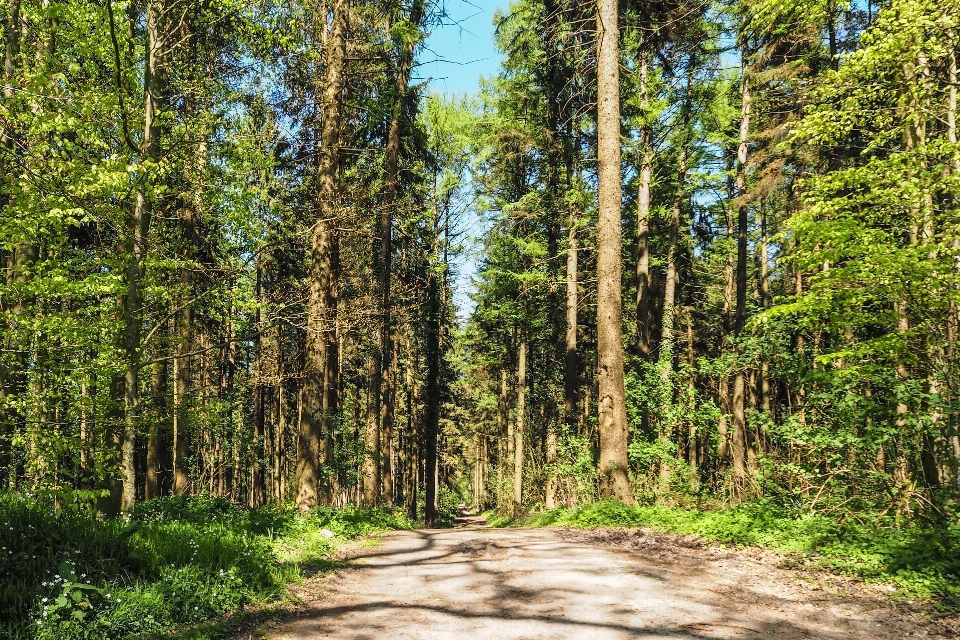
x=494 y=584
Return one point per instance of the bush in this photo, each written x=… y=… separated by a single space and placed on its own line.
x=180 y=560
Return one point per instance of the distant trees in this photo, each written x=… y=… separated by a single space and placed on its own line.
x=229 y=248
x=186 y=254
x=772 y=348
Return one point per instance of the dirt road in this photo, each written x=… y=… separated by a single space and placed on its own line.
x=492 y=584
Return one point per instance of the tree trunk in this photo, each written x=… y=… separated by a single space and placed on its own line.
x=154 y=457
x=953 y=313
x=676 y=218
x=765 y=399
x=571 y=364
x=432 y=404
x=919 y=233
x=320 y=390
x=136 y=247
x=380 y=394
x=644 y=282
x=693 y=445
x=257 y=449
x=612 y=407
x=519 y=430
x=371 y=436
x=389 y=420
x=665 y=357
x=411 y=436
x=740 y=443
x=12 y=379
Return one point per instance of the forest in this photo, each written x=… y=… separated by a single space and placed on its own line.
x=674 y=258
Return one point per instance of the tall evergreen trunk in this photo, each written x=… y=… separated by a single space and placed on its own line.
x=612 y=397
x=381 y=409
x=411 y=436
x=136 y=243
x=509 y=394
x=920 y=234
x=667 y=339
x=189 y=227
x=519 y=430
x=431 y=425
x=320 y=390
x=953 y=313
x=371 y=436
x=676 y=219
x=181 y=383
x=154 y=450
x=693 y=445
x=571 y=363
x=505 y=423
x=389 y=423
x=257 y=480
x=669 y=315
x=13 y=263
x=190 y=207
x=765 y=399
x=740 y=442
x=553 y=200
x=189 y=223
x=644 y=275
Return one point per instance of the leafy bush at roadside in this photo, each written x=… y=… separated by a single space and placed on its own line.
x=180 y=560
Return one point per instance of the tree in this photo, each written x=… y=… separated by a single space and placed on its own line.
x=612 y=401
x=320 y=390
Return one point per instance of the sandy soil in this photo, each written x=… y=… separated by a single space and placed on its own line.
x=476 y=583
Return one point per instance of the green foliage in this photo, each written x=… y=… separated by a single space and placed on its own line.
x=575 y=470
x=180 y=560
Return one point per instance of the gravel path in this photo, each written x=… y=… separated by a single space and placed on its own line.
x=493 y=584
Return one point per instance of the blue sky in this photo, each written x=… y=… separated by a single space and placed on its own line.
x=461 y=49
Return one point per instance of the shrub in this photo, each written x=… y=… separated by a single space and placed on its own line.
x=180 y=560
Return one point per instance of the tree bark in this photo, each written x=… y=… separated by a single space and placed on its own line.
x=571 y=362
x=519 y=430
x=12 y=377
x=740 y=443
x=644 y=276
x=765 y=399
x=320 y=390
x=432 y=392
x=381 y=396
x=612 y=397
x=667 y=340
x=676 y=218
x=258 y=450
x=154 y=457
x=136 y=246
x=189 y=224
x=953 y=313
x=411 y=436
x=693 y=445
x=389 y=420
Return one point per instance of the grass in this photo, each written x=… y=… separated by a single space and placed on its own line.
x=922 y=561
x=179 y=563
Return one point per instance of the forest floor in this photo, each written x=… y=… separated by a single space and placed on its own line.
x=476 y=582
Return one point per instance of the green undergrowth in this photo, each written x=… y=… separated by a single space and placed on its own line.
x=923 y=562
x=180 y=561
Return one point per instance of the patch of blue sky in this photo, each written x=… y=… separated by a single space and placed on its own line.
x=458 y=52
